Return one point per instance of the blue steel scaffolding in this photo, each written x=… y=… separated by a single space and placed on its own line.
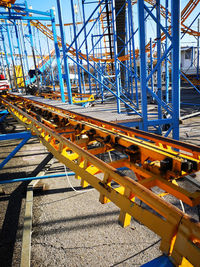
x=111 y=54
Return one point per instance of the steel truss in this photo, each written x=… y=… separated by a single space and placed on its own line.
x=108 y=57
x=16 y=16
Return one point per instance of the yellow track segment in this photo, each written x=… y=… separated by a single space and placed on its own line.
x=71 y=137
x=76 y=97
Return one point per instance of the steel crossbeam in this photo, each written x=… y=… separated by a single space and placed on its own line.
x=77 y=140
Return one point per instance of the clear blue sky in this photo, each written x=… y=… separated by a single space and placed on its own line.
x=45 y=5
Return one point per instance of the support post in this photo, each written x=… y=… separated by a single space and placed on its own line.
x=143 y=85
x=151 y=66
x=57 y=56
x=76 y=45
x=65 y=58
x=86 y=46
x=133 y=48
x=166 y=59
x=117 y=68
x=159 y=81
x=175 y=11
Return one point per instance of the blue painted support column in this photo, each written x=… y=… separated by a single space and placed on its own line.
x=130 y=66
x=143 y=75
x=74 y=65
x=198 y=39
x=159 y=80
x=192 y=57
x=6 y=56
x=25 y=135
x=20 y=53
x=133 y=48
x=83 y=78
x=57 y=56
x=117 y=69
x=50 y=59
x=86 y=46
x=175 y=14
x=11 y=53
x=151 y=67
x=65 y=57
x=166 y=59
x=92 y=41
x=76 y=45
x=100 y=79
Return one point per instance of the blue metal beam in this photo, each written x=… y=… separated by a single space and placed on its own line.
x=159 y=79
x=175 y=14
x=143 y=80
x=65 y=58
x=8 y=181
x=166 y=59
x=76 y=45
x=25 y=135
x=57 y=55
x=117 y=66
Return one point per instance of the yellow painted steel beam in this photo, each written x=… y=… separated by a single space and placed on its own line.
x=180 y=235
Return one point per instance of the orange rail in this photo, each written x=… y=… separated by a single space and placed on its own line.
x=7 y=3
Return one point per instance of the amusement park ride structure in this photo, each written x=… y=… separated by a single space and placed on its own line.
x=108 y=59
x=108 y=65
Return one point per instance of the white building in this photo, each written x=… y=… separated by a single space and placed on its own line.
x=189 y=60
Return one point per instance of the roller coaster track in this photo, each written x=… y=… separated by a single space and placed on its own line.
x=78 y=141
x=187 y=10
x=191 y=5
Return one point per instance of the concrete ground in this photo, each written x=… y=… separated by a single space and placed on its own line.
x=71 y=228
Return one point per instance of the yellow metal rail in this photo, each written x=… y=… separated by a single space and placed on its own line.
x=77 y=140
x=77 y=98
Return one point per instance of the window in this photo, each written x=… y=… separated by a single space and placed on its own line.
x=188 y=54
